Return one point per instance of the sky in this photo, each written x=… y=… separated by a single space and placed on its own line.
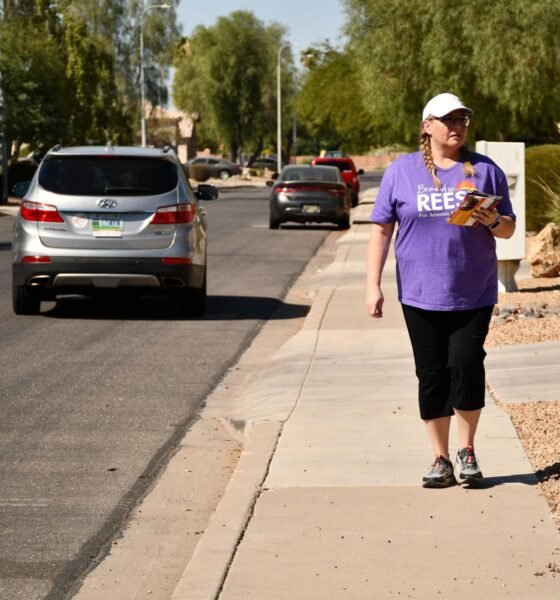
x=308 y=21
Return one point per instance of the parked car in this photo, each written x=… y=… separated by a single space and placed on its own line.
x=310 y=194
x=348 y=170
x=95 y=219
x=334 y=154
x=217 y=167
x=266 y=162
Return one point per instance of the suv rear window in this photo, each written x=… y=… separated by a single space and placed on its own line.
x=100 y=175
x=342 y=165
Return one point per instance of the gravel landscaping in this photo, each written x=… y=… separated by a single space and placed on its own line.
x=529 y=316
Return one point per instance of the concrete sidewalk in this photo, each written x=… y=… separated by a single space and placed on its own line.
x=326 y=501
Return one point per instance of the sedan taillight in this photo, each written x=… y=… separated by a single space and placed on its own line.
x=337 y=191
x=281 y=189
x=176 y=213
x=36 y=211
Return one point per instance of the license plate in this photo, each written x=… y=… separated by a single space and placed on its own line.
x=108 y=227
x=311 y=208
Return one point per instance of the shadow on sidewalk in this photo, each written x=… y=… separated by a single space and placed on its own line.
x=490 y=482
x=550 y=472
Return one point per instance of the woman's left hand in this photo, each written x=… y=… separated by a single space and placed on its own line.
x=499 y=226
x=485 y=216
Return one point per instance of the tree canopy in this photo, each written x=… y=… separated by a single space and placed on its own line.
x=331 y=108
x=501 y=58
x=71 y=72
x=226 y=75
x=70 y=68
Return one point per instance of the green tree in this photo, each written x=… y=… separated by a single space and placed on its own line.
x=500 y=57
x=103 y=37
x=330 y=104
x=226 y=74
x=161 y=35
x=34 y=92
x=75 y=79
x=96 y=114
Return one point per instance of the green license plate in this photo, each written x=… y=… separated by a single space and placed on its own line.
x=109 y=226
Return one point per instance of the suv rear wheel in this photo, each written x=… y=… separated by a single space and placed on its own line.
x=192 y=301
x=25 y=301
x=197 y=300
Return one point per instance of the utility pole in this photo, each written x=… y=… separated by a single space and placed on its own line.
x=294 y=134
x=3 y=122
x=279 y=108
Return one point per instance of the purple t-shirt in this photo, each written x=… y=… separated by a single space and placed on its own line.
x=441 y=266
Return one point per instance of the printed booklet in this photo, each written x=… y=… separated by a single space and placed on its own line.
x=462 y=215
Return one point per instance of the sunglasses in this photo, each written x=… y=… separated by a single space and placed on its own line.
x=454 y=121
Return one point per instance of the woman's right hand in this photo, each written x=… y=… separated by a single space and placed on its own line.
x=374 y=302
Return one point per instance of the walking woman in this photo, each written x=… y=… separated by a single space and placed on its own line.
x=446 y=274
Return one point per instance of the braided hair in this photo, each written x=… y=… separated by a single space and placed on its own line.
x=426 y=149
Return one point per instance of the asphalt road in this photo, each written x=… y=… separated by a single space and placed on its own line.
x=95 y=395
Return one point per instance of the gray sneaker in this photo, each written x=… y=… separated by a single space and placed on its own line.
x=468 y=465
x=441 y=474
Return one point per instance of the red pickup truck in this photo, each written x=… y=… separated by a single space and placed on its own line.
x=347 y=170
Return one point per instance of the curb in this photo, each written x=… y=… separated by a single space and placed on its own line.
x=207 y=570
x=9 y=210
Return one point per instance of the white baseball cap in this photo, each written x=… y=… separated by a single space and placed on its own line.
x=442 y=105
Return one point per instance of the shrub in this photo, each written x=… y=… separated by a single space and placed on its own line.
x=542 y=186
x=22 y=170
x=199 y=172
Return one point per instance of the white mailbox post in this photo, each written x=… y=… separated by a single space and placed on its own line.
x=510 y=157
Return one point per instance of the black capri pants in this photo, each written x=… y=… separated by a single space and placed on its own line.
x=449 y=354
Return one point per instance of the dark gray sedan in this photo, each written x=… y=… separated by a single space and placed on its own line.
x=310 y=194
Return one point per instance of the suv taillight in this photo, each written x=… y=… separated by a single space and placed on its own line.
x=36 y=211
x=177 y=213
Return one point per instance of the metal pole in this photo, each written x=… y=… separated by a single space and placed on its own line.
x=295 y=136
x=142 y=98
x=142 y=90
x=3 y=122
x=279 y=111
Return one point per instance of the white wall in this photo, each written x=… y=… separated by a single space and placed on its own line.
x=510 y=157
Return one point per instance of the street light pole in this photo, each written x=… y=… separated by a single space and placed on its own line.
x=3 y=124
x=279 y=111
x=142 y=91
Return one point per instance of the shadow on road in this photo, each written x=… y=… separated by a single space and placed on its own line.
x=218 y=308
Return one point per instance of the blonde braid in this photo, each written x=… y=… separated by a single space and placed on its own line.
x=426 y=149
x=468 y=167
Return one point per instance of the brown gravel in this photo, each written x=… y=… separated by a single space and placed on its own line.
x=537 y=423
x=538 y=428
x=528 y=331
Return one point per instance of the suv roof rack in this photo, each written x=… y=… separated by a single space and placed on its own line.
x=56 y=148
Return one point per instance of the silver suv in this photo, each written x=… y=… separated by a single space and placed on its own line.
x=100 y=218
